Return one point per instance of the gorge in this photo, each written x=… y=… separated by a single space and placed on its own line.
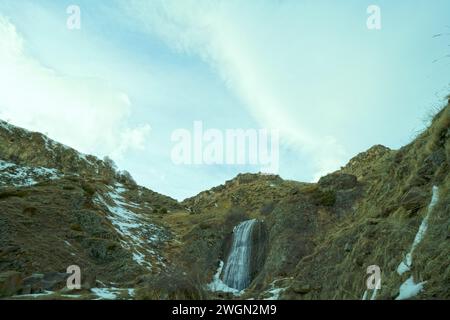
x=271 y=238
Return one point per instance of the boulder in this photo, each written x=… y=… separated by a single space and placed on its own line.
x=38 y=282
x=55 y=280
x=340 y=181
x=301 y=288
x=33 y=284
x=10 y=283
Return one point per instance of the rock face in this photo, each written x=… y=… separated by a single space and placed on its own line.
x=260 y=243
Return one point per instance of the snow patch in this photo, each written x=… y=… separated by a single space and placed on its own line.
x=23 y=176
x=138 y=232
x=112 y=293
x=274 y=292
x=410 y=289
x=35 y=295
x=5 y=165
x=105 y=293
x=406 y=264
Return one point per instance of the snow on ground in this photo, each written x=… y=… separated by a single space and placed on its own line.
x=72 y=296
x=5 y=165
x=274 y=292
x=410 y=289
x=105 y=293
x=35 y=295
x=406 y=264
x=139 y=233
x=23 y=176
x=218 y=285
x=112 y=293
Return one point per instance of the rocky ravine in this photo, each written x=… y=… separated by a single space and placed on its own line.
x=312 y=241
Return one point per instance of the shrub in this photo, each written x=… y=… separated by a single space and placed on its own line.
x=324 y=198
x=110 y=164
x=126 y=178
x=88 y=188
x=76 y=227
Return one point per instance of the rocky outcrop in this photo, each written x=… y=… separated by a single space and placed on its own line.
x=260 y=244
x=339 y=181
x=38 y=282
x=33 y=149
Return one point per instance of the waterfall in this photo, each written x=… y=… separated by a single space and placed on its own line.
x=237 y=269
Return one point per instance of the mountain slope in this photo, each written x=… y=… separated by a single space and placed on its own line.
x=319 y=239
x=385 y=208
x=62 y=208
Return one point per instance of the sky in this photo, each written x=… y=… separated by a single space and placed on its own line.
x=137 y=71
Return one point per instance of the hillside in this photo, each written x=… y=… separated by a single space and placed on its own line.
x=317 y=240
x=61 y=208
x=309 y=240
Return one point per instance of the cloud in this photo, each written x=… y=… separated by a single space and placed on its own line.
x=85 y=113
x=238 y=41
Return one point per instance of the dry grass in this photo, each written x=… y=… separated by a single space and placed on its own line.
x=175 y=285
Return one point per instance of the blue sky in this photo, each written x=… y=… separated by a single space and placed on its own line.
x=138 y=70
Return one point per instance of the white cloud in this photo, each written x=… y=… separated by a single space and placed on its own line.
x=85 y=113
x=228 y=36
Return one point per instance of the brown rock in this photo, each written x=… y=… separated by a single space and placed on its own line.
x=341 y=181
x=301 y=288
x=10 y=283
x=33 y=284
x=39 y=282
